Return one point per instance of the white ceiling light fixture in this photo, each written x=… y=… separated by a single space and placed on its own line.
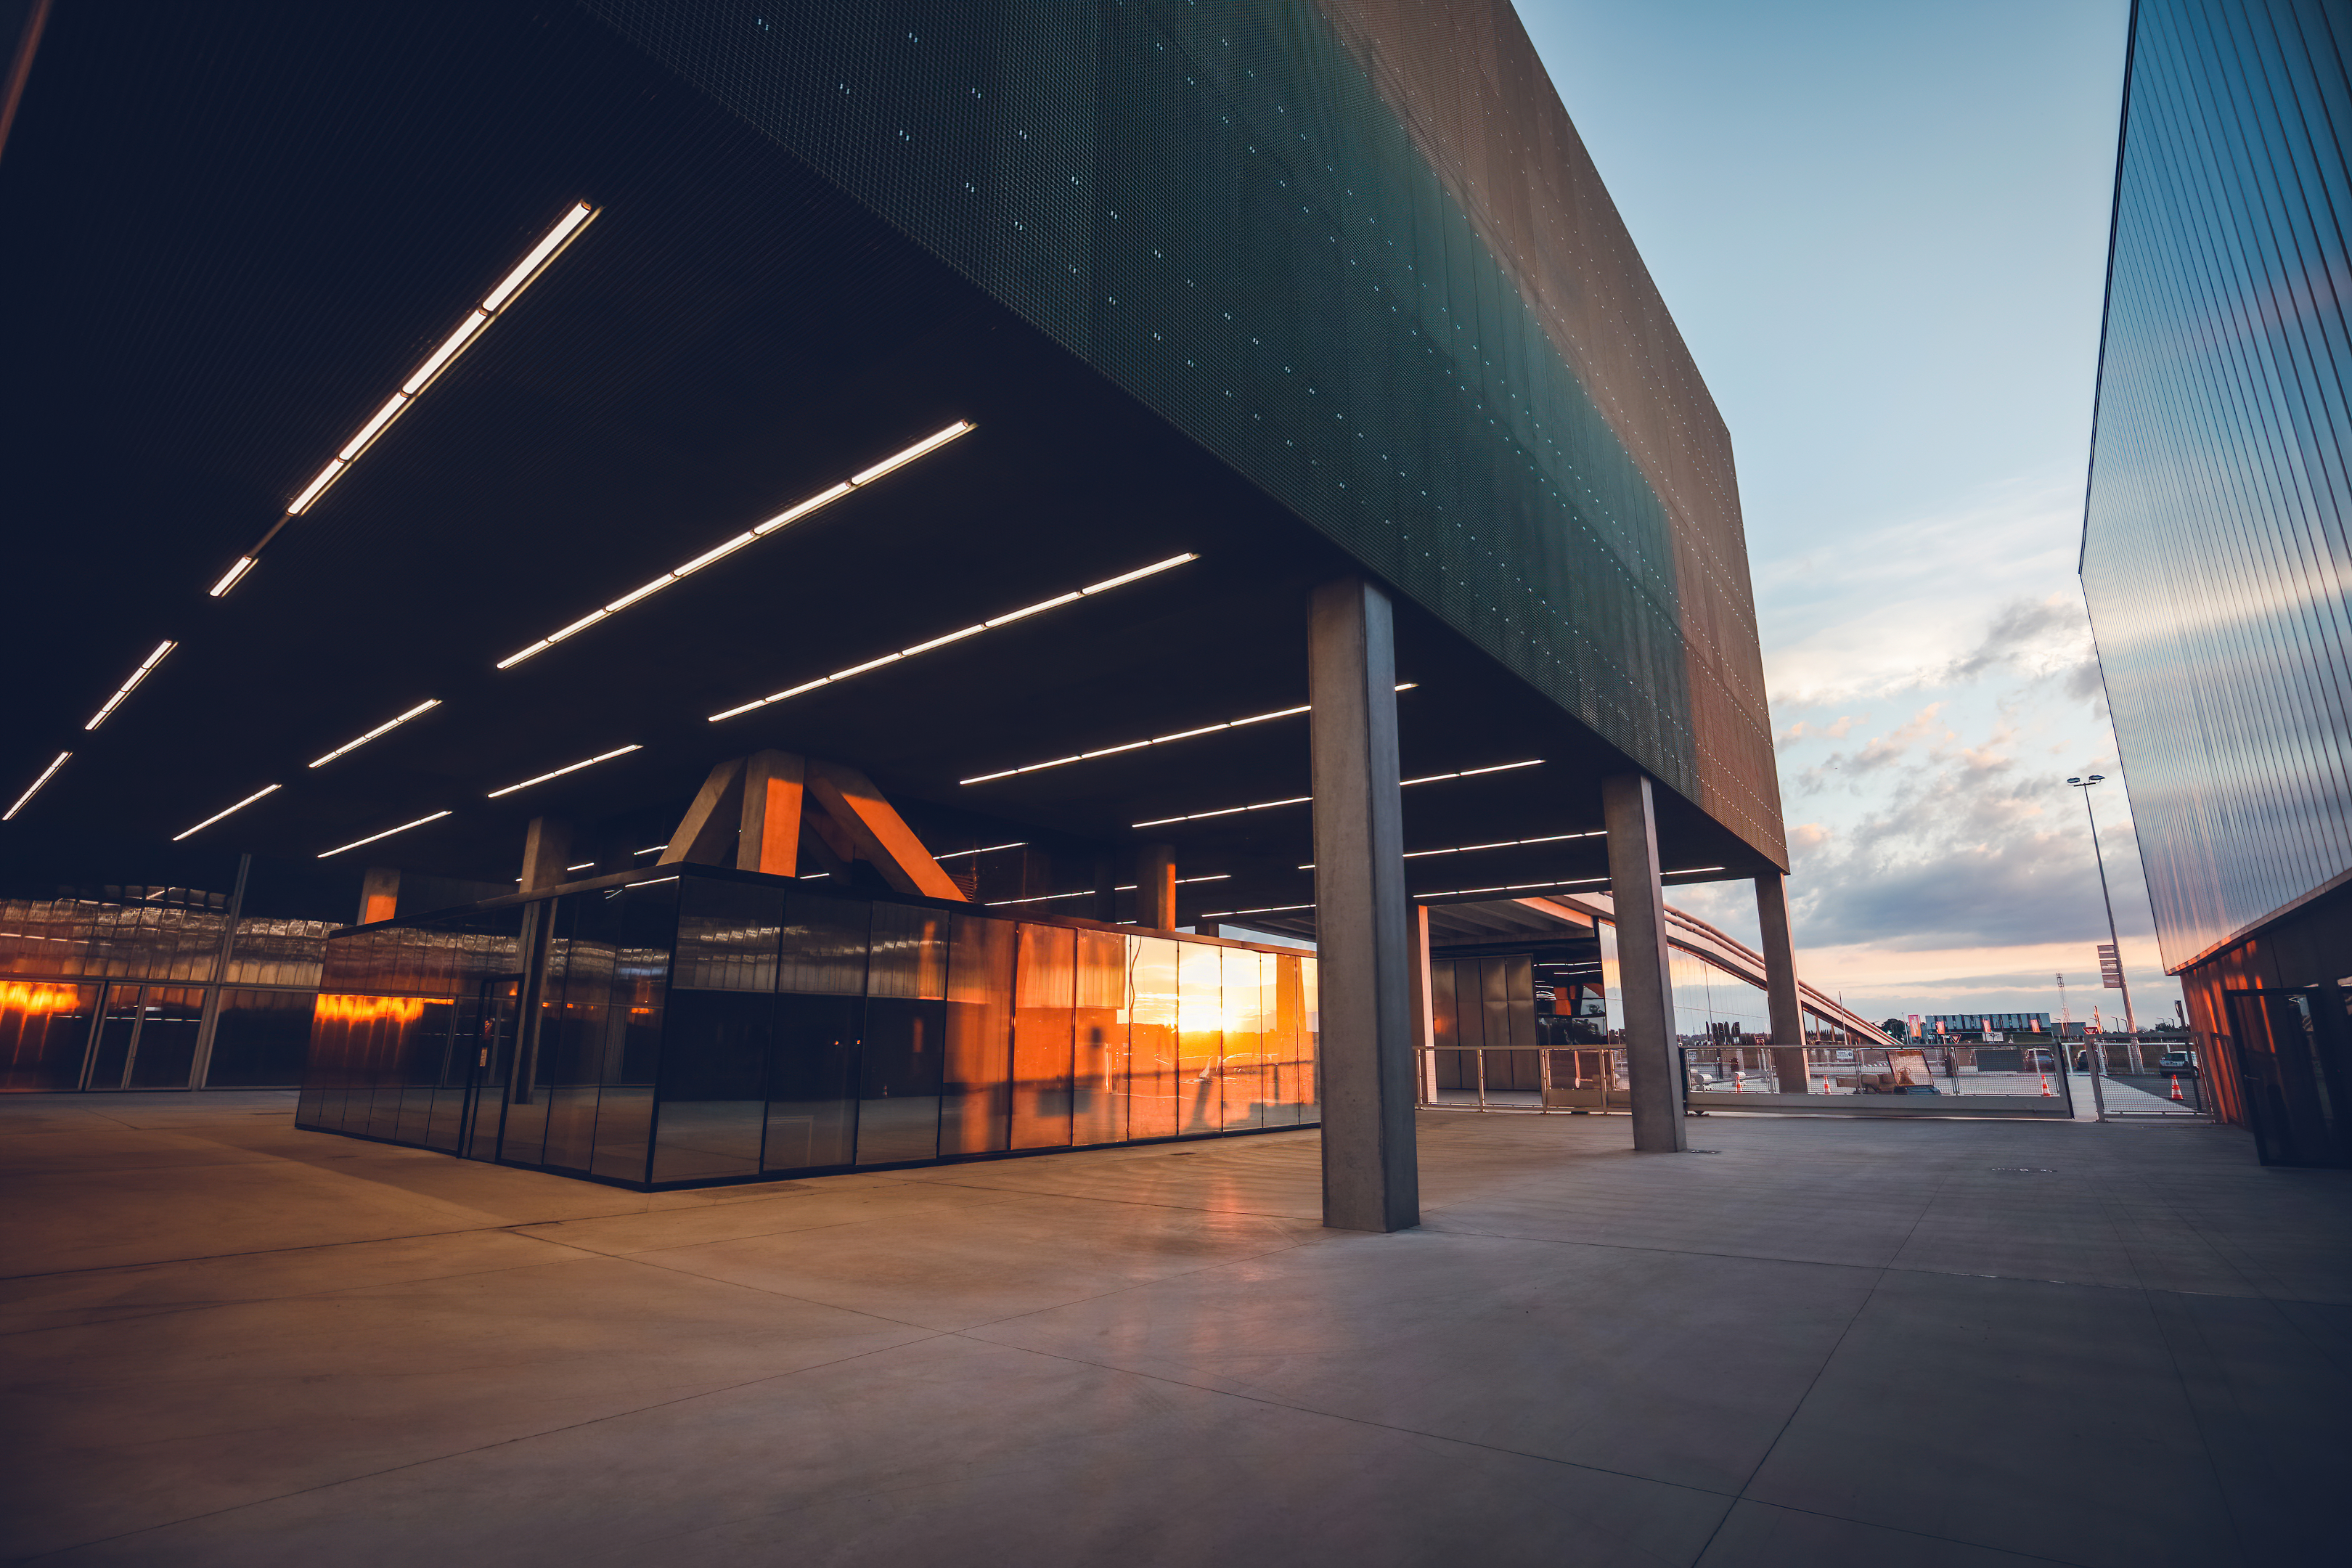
x=138 y=675
x=1498 y=843
x=1303 y=799
x=1091 y=892
x=785 y=518
x=1269 y=909
x=386 y=728
x=1510 y=887
x=1056 y=602
x=1574 y=882
x=572 y=768
x=385 y=833
x=525 y=272
x=1155 y=740
x=991 y=850
x=46 y=774
x=232 y=811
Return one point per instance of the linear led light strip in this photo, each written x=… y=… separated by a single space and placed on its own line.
x=46 y=774
x=240 y=805
x=1040 y=607
x=138 y=675
x=785 y=518
x=1156 y=741
x=525 y=273
x=572 y=768
x=1302 y=799
x=960 y=854
x=385 y=833
x=1498 y=843
x=386 y=728
x=1089 y=892
x=1456 y=892
x=1578 y=882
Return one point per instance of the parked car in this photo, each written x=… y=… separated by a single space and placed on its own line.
x=2175 y=1061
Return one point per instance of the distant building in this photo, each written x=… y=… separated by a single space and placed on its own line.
x=1979 y=1022
x=2216 y=544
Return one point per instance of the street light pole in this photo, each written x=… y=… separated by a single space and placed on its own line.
x=2115 y=943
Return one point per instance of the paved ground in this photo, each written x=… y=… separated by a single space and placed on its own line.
x=1826 y=1343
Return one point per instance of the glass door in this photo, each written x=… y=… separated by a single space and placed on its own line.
x=498 y=1005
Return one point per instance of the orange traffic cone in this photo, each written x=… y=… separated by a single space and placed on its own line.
x=2045 y=1086
x=2176 y=1089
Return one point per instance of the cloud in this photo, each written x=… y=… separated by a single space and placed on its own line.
x=1878 y=752
x=2050 y=635
x=1961 y=851
x=1925 y=601
x=1801 y=730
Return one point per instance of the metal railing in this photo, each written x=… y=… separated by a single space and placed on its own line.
x=1898 y=1080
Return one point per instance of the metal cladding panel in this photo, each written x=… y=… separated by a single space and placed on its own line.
x=2215 y=552
x=1357 y=252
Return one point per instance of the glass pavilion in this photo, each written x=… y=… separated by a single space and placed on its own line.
x=719 y=1026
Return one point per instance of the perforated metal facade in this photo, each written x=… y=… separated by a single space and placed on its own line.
x=1358 y=252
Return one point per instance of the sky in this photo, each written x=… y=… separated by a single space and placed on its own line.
x=1881 y=227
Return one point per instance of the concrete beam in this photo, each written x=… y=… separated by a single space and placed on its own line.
x=1654 y=1075
x=1371 y=1178
x=771 y=837
x=706 y=834
x=379 y=895
x=879 y=834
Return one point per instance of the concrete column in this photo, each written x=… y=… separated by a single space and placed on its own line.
x=1424 y=1017
x=210 y=1025
x=1105 y=899
x=1654 y=1075
x=1372 y=1180
x=379 y=895
x=1155 y=886
x=546 y=846
x=1780 y=983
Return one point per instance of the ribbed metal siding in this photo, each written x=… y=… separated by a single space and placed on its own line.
x=2215 y=552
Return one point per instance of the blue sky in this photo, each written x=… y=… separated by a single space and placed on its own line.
x=1883 y=230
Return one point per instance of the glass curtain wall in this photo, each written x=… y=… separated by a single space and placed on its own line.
x=113 y=992
x=720 y=1027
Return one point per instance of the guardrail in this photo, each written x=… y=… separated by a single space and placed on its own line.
x=1867 y=1081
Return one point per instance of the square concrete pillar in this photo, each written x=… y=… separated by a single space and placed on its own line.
x=1780 y=983
x=1105 y=899
x=1654 y=1075
x=1155 y=886
x=1371 y=1175
x=546 y=846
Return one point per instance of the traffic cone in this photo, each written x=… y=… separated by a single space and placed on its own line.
x=2176 y=1090
x=2045 y=1086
